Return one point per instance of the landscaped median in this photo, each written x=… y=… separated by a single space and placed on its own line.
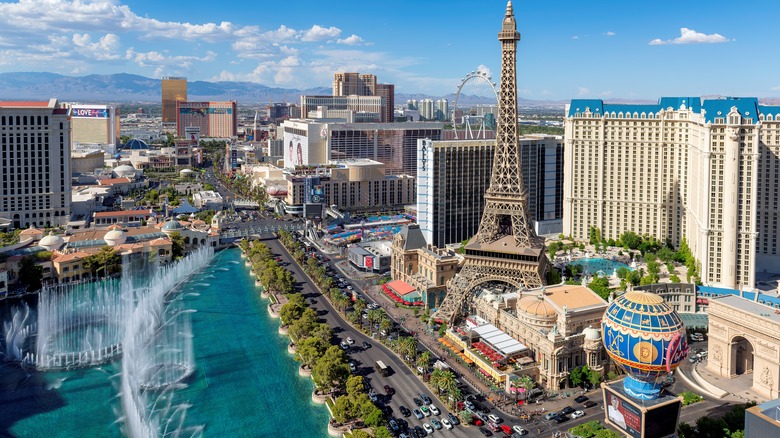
x=311 y=345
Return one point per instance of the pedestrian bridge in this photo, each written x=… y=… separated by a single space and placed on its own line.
x=257 y=232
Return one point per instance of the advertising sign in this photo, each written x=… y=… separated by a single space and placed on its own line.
x=662 y=420
x=204 y=111
x=89 y=112
x=368 y=262
x=623 y=414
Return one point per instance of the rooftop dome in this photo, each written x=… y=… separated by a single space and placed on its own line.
x=136 y=144
x=591 y=334
x=52 y=241
x=116 y=236
x=124 y=170
x=172 y=225
x=536 y=305
x=186 y=171
x=31 y=231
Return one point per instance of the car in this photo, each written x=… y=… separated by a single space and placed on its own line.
x=403 y=435
x=366 y=345
x=495 y=418
x=404 y=410
x=427 y=428
x=426 y=399
x=417 y=401
x=352 y=367
x=577 y=414
x=393 y=425
x=589 y=404
x=493 y=426
x=350 y=341
x=561 y=418
x=419 y=431
x=453 y=419
x=693 y=359
x=519 y=429
x=550 y=415
x=344 y=346
x=567 y=410
x=425 y=411
x=470 y=406
x=418 y=414
x=349 y=287
x=420 y=369
x=485 y=431
x=481 y=416
x=389 y=390
x=434 y=409
x=436 y=424
x=372 y=396
x=446 y=423
x=581 y=399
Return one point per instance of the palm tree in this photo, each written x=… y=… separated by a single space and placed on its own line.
x=373 y=316
x=408 y=346
x=385 y=324
x=527 y=383
x=360 y=306
x=435 y=381
x=448 y=382
x=424 y=360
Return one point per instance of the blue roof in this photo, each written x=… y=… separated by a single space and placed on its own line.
x=746 y=106
x=184 y=208
x=136 y=144
x=774 y=110
x=769 y=300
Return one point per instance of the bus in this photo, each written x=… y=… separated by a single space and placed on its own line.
x=382 y=368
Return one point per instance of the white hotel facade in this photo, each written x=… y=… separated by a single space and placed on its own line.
x=703 y=170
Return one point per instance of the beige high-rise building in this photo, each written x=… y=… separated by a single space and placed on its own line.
x=703 y=170
x=355 y=84
x=35 y=171
x=173 y=90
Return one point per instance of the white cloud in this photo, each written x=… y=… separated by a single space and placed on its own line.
x=160 y=59
x=777 y=88
x=352 y=40
x=575 y=37
x=690 y=36
x=609 y=33
x=318 y=33
x=486 y=70
x=582 y=91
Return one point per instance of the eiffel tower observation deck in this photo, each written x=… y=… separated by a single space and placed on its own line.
x=506 y=248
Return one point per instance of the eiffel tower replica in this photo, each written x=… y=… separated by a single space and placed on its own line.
x=505 y=248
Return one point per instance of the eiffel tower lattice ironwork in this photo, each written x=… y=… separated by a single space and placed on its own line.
x=505 y=248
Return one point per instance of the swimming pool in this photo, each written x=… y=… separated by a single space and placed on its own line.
x=593 y=265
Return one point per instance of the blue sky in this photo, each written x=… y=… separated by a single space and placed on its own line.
x=597 y=49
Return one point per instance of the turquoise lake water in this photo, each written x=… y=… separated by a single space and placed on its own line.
x=245 y=383
x=594 y=265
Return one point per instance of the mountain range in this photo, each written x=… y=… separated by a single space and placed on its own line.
x=124 y=87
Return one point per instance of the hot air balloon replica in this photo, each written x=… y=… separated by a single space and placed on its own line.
x=646 y=337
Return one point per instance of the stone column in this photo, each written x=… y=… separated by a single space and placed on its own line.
x=728 y=274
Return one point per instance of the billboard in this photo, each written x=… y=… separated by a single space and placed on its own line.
x=204 y=111
x=193 y=133
x=368 y=262
x=89 y=113
x=661 y=421
x=622 y=413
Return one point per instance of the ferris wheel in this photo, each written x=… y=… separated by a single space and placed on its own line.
x=477 y=84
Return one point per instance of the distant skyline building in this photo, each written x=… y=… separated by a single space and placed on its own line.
x=173 y=89
x=706 y=171
x=356 y=84
x=311 y=142
x=442 y=109
x=35 y=151
x=94 y=124
x=215 y=119
x=353 y=108
x=452 y=175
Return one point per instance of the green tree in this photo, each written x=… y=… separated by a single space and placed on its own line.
x=674 y=278
x=600 y=285
x=355 y=385
x=635 y=277
x=105 y=262
x=576 y=376
x=622 y=272
x=382 y=432
x=331 y=370
x=553 y=248
x=375 y=418
x=360 y=433
x=424 y=360
x=343 y=409
x=308 y=350
x=30 y=273
x=465 y=417
x=293 y=309
x=177 y=245
x=631 y=240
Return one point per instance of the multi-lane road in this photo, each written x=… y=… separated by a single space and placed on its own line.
x=407 y=386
